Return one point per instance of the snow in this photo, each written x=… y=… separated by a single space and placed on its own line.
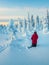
x=17 y=53
x=14 y=46
x=16 y=38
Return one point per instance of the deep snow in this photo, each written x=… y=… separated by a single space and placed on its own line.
x=17 y=53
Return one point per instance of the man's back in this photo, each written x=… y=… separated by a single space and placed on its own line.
x=34 y=38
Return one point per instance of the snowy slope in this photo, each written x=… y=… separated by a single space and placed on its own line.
x=17 y=52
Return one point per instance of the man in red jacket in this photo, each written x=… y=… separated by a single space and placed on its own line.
x=34 y=39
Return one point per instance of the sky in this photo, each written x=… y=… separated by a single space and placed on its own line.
x=20 y=8
x=24 y=3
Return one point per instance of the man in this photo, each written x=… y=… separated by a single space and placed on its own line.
x=34 y=39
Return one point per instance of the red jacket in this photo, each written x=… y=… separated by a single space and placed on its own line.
x=34 y=38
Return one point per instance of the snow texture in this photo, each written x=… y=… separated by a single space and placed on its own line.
x=14 y=47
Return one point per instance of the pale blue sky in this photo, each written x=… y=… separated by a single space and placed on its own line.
x=24 y=3
x=13 y=8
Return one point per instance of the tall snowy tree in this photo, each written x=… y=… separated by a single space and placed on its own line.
x=28 y=23
x=37 y=22
x=48 y=19
x=45 y=25
x=25 y=21
x=12 y=26
x=21 y=26
x=32 y=22
x=39 y=25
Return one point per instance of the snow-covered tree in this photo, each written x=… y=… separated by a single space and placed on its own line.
x=37 y=22
x=32 y=22
x=47 y=19
x=28 y=22
x=41 y=25
x=12 y=26
x=25 y=21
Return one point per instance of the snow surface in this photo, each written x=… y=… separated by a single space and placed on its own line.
x=15 y=51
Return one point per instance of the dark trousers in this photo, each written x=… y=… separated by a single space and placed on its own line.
x=34 y=45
